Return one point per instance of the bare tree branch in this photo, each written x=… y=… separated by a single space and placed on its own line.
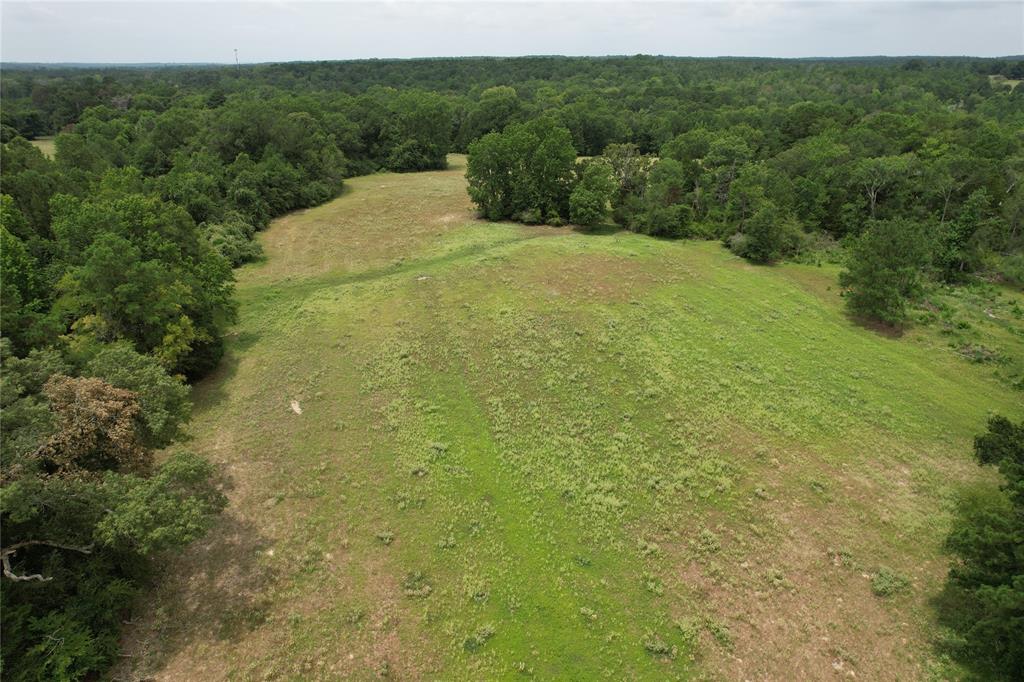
x=7 y=552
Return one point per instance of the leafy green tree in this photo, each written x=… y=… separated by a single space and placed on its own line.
x=141 y=271
x=77 y=549
x=984 y=602
x=117 y=294
x=594 y=124
x=233 y=239
x=78 y=152
x=630 y=171
x=949 y=175
x=757 y=183
x=198 y=193
x=245 y=191
x=30 y=179
x=495 y=171
x=808 y=118
x=689 y=148
x=82 y=507
x=21 y=289
x=551 y=166
x=281 y=184
x=878 y=176
x=886 y=134
x=959 y=249
x=814 y=166
x=727 y=153
x=25 y=417
x=497 y=107
x=629 y=168
x=160 y=230
x=589 y=201
x=528 y=168
x=418 y=132
x=170 y=508
x=12 y=219
x=117 y=182
x=163 y=400
x=767 y=236
x=301 y=138
x=666 y=211
x=885 y=269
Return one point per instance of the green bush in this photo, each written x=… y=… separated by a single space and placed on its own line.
x=531 y=216
x=767 y=236
x=233 y=239
x=586 y=208
x=588 y=203
x=887 y=583
x=665 y=210
x=1010 y=269
x=884 y=270
x=984 y=599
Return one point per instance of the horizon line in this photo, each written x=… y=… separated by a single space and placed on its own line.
x=4 y=62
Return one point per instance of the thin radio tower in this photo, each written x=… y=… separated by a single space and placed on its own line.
x=236 y=59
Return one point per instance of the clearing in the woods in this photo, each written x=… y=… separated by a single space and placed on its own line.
x=46 y=145
x=464 y=450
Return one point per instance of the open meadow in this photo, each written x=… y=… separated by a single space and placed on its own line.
x=465 y=450
x=47 y=145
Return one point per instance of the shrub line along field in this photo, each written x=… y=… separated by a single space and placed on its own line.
x=529 y=451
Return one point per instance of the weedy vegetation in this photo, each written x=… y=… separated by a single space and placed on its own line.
x=535 y=451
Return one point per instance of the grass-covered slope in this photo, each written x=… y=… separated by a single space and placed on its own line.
x=462 y=450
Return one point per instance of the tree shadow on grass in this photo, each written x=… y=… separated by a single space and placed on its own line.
x=954 y=611
x=602 y=230
x=212 y=389
x=885 y=329
x=213 y=591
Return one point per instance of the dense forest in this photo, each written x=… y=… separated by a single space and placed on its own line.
x=117 y=253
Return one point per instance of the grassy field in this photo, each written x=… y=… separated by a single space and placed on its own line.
x=999 y=79
x=46 y=146
x=462 y=450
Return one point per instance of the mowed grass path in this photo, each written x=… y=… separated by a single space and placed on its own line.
x=530 y=452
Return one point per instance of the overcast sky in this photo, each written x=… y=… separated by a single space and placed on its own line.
x=142 y=31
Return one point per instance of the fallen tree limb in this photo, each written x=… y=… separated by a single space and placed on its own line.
x=7 y=552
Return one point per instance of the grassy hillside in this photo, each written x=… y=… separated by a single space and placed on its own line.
x=461 y=450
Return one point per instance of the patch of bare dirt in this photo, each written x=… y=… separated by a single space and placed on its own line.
x=792 y=580
x=795 y=611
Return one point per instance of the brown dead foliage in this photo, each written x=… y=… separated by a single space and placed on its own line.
x=97 y=428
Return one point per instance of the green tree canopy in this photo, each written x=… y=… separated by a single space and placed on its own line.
x=528 y=168
x=590 y=199
x=984 y=603
x=884 y=270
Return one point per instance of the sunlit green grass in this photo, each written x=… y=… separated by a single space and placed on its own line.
x=46 y=145
x=532 y=451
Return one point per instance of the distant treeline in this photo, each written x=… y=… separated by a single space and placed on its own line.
x=42 y=100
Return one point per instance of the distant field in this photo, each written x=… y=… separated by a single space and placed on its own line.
x=46 y=145
x=1003 y=80
x=473 y=451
